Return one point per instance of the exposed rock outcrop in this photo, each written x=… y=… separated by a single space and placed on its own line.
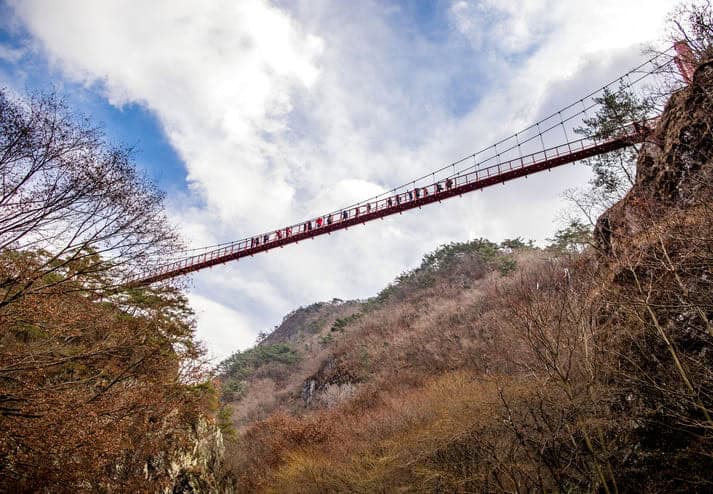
x=672 y=168
x=195 y=471
x=331 y=384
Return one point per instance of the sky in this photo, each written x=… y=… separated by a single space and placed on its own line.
x=256 y=114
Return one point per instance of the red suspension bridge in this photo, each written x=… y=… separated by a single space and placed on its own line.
x=542 y=146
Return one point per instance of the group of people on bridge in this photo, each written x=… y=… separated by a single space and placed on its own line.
x=322 y=221
x=395 y=201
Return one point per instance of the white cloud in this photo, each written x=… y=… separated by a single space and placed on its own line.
x=219 y=77
x=508 y=27
x=10 y=54
x=281 y=114
x=222 y=329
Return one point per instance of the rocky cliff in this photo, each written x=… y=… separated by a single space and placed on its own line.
x=673 y=169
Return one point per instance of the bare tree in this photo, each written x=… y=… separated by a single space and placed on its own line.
x=692 y=22
x=68 y=195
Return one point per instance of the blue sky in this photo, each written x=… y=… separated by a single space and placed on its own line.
x=255 y=114
x=131 y=124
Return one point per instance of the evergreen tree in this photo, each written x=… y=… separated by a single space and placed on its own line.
x=614 y=172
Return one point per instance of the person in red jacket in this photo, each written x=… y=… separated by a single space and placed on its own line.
x=319 y=222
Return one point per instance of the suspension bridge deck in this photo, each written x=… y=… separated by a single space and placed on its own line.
x=417 y=197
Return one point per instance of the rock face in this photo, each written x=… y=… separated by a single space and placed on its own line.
x=672 y=167
x=194 y=471
x=655 y=272
x=330 y=385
